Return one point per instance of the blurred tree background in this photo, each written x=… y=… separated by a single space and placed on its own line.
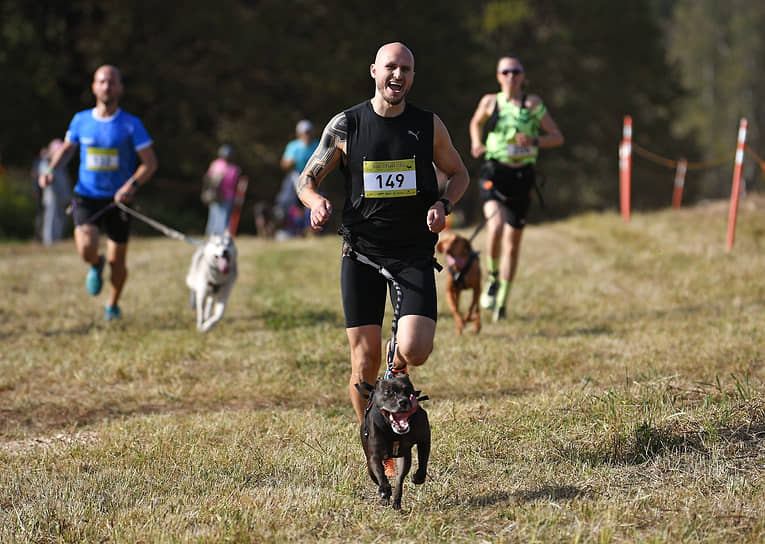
x=244 y=72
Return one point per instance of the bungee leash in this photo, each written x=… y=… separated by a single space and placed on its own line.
x=348 y=251
x=72 y=208
x=164 y=229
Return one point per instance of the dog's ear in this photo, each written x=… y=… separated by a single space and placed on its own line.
x=407 y=382
x=364 y=389
x=441 y=245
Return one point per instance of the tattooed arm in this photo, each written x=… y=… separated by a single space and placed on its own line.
x=326 y=157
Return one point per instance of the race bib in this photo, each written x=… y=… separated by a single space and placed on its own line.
x=389 y=179
x=102 y=159
x=517 y=152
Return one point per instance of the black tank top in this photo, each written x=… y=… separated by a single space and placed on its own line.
x=390 y=182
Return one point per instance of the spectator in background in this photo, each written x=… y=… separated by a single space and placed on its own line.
x=219 y=189
x=34 y=172
x=294 y=159
x=55 y=196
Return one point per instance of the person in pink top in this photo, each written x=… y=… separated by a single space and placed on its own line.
x=220 y=179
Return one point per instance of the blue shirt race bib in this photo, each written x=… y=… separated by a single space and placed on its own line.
x=108 y=150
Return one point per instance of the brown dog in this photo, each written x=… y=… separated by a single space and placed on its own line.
x=464 y=273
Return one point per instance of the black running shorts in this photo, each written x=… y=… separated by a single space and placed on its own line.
x=364 y=290
x=114 y=222
x=511 y=187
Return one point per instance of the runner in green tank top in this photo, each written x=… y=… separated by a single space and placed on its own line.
x=521 y=125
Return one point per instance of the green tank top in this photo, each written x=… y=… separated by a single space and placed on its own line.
x=500 y=142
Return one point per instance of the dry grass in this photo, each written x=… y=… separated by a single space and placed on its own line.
x=621 y=401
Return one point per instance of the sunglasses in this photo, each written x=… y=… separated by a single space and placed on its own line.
x=514 y=71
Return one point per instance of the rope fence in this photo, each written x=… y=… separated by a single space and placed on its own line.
x=669 y=163
x=681 y=166
x=759 y=160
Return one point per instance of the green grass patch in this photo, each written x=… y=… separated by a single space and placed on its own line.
x=620 y=401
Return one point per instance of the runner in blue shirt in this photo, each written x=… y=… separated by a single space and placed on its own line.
x=116 y=157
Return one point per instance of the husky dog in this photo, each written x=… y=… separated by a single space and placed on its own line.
x=211 y=277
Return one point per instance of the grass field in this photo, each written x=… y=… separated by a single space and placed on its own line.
x=622 y=400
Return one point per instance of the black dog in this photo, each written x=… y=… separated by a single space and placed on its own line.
x=393 y=423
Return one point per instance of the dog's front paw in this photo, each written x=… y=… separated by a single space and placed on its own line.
x=207 y=325
x=419 y=476
x=384 y=492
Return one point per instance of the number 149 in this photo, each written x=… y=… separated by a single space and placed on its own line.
x=390 y=181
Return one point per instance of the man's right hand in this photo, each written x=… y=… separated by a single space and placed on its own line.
x=477 y=150
x=320 y=212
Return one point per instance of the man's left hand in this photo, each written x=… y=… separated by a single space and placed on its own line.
x=125 y=193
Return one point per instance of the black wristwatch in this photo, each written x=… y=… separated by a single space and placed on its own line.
x=447 y=205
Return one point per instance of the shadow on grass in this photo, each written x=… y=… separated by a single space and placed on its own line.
x=480 y=391
x=648 y=442
x=44 y=419
x=545 y=493
x=129 y=323
x=581 y=331
x=76 y=331
x=550 y=493
x=277 y=320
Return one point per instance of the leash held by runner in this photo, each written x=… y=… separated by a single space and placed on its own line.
x=164 y=229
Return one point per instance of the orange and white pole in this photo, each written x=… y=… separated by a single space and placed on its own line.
x=677 y=194
x=625 y=168
x=241 y=191
x=736 y=188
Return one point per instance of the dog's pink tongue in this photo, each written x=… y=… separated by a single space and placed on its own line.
x=223 y=265
x=452 y=261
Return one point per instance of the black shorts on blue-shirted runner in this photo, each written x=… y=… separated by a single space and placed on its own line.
x=114 y=222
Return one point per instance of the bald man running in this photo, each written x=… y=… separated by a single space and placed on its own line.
x=386 y=148
x=116 y=157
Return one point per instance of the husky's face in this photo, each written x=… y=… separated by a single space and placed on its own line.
x=220 y=251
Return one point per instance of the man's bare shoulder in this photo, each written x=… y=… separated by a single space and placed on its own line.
x=532 y=101
x=335 y=133
x=488 y=100
x=339 y=121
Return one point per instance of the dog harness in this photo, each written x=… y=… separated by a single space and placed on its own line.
x=458 y=274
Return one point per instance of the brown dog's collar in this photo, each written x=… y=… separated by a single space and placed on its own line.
x=458 y=274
